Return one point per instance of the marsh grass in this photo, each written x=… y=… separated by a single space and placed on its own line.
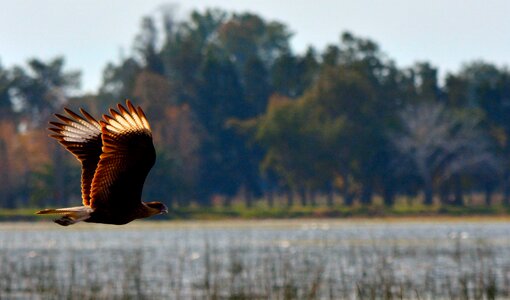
x=261 y=210
x=314 y=264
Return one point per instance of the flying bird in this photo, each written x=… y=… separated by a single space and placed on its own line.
x=116 y=154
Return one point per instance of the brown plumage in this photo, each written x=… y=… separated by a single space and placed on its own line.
x=116 y=155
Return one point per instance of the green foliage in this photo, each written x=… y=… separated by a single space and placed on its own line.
x=294 y=138
x=118 y=81
x=145 y=45
x=236 y=113
x=43 y=86
x=5 y=102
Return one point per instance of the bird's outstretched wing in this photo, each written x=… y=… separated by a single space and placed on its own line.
x=127 y=156
x=81 y=135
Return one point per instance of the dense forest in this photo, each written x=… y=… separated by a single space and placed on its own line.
x=238 y=115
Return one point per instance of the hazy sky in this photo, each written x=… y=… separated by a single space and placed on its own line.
x=89 y=33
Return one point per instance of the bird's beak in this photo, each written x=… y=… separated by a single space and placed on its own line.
x=164 y=211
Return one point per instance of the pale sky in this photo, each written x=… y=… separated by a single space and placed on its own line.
x=89 y=33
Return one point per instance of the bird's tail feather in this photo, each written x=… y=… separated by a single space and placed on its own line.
x=71 y=215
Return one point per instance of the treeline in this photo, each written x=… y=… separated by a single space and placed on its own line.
x=238 y=114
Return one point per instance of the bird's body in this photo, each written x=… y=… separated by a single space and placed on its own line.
x=116 y=154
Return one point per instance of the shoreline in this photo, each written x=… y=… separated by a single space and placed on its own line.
x=264 y=222
x=300 y=214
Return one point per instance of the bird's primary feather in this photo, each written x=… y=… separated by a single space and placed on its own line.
x=127 y=156
x=82 y=137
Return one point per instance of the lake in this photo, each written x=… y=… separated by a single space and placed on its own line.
x=276 y=259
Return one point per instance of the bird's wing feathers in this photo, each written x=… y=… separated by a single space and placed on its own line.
x=81 y=135
x=127 y=156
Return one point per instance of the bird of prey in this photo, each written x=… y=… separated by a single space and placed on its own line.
x=116 y=154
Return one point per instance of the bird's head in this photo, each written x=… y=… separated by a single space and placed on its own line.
x=157 y=208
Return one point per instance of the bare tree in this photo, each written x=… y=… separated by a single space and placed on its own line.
x=439 y=143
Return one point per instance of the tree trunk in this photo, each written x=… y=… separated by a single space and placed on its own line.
x=290 y=198
x=59 y=171
x=444 y=194
x=248 y=197
x=488 y=194
x=330 y=195
x=366 y=194
x=313 y=199
x=5 y=185
x=428 y=192
x=389 y=196
x=303 y=197
x=227 y=201
x=346 y=195
x=506 y=189
x=458 y=199
x=270 y=197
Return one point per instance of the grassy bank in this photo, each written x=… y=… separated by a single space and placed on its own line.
x=262 y=211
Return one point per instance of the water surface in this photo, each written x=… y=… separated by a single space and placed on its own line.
x=324 y=259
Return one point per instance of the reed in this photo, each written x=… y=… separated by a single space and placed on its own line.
x=208 y=267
